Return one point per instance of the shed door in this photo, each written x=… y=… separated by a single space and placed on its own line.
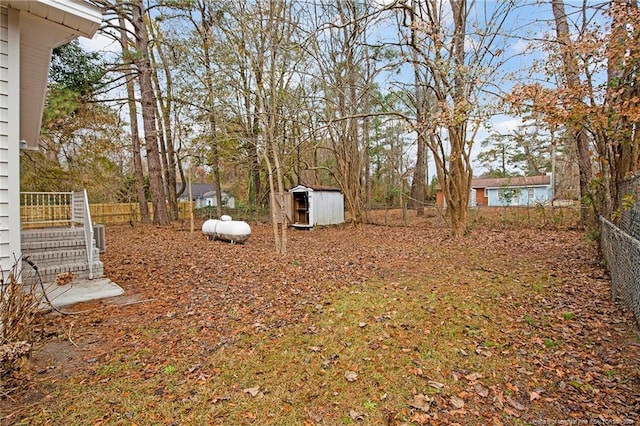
x=300 y=208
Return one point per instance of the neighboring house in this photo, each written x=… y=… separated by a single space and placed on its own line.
x=209 y=199
x=310 y=206
x=510 y=191
x=513 y=191
x=197 y=193
x=29 y=30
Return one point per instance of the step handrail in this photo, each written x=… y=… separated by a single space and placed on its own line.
x=80 y=214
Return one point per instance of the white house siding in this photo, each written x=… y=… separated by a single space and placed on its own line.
x=520 y=196
x=9 y=139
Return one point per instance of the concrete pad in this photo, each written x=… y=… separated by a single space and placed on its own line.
x=79 y=290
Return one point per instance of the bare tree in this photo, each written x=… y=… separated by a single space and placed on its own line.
x=346 y=77
x=275 y=60
x=456 y=52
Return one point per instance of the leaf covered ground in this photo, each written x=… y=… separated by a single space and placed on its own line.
x=355 y=325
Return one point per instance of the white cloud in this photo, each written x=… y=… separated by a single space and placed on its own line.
x=505 y=125
x=100 y=43
x=520 y=46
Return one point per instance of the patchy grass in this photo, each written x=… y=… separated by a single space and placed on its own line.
x=397 y=342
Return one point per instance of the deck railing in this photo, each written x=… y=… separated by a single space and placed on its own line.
x=48 y=209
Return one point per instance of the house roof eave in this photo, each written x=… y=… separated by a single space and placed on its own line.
x=78 y=17
x=514 y=186
x=44 y=25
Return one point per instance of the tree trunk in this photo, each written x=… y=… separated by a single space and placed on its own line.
x=460 y=172
x=578 y=130
x=421 y=108
x=213 y=125
x=418 y=181
x=254 y=156
x=156 y=186
x=133 y=114
x=169 y=157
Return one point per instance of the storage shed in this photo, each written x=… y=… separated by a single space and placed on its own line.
x=314 y=205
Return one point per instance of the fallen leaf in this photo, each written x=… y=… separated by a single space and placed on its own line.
x=512 y=412
x=436 y=385
x=513 y=388
x=421 y=402
x=355 y=415
x=351 y=376
x=420 y=418
x=473 y=377
x=525 y=371
x=481 y=390
x=457 y=403
x=480 y=350
x=515 y=404
x=316 y=417
x=252 y=391
x=534 y=395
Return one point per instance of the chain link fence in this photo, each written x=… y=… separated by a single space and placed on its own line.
x=621 y=245
x=628 y=204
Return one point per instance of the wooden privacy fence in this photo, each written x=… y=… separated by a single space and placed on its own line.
x=106 y=214
x=112 y=214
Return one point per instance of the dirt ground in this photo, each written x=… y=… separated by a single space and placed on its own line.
x=181 y=280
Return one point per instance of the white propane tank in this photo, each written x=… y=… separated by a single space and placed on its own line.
x=226 y=229
x=209 y=228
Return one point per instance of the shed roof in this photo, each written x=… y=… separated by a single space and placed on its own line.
x=515 y=181
x=315 y=188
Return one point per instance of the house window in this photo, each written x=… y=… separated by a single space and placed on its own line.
x=530 y=193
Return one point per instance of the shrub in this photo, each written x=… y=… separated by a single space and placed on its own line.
x=18 y=308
